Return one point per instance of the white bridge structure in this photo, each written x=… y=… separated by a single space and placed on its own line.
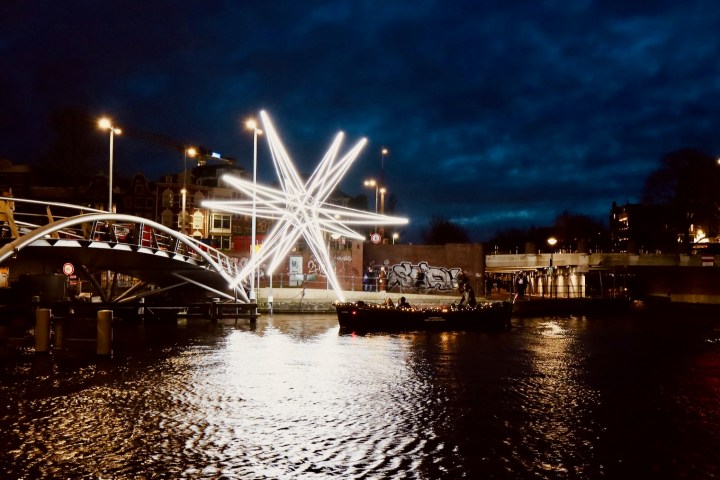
x=43 y=237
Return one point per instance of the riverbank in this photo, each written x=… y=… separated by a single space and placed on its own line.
x=299 y=300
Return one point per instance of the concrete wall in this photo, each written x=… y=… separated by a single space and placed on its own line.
x=439 y=263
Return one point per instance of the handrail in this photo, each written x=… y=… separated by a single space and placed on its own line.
x=217 y=260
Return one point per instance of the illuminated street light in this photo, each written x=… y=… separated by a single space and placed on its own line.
x=383 y=154
x=187 y=152
x=106 y=124
x=252 y=125
x=373 y=184
x=395 y=236
x=551 y=241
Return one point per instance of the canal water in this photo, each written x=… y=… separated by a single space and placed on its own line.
x=636 y=396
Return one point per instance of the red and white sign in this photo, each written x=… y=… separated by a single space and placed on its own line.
x=375 y=238
x=708 y=260
x=68 y=269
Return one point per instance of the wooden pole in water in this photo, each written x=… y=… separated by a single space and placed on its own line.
x=42 y=330
x=59 y=334
x=104 y=332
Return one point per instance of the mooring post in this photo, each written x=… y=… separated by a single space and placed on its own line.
x=42 y=330
x=104 y=332
x=215 y=309
x=253 y=312
x=59 y=329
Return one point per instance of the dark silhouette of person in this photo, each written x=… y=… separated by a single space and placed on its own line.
x=468 y=296
x=368 y=280
x=382 y=280
x=521 y=285
x=462 y=280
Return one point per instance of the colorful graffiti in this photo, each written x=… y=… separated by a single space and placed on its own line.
x=405 y=275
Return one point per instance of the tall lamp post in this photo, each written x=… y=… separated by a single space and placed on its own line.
x=383 y=154
x=552 y=241
x=372 y=183
x=395 y=237
x=252 y=125
x=187 y=152
x=106 y=124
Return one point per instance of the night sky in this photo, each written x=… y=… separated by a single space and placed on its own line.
x=497 y=114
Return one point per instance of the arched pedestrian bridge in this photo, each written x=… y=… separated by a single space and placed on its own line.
x=40 y=238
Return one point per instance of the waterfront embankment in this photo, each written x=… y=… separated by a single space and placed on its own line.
x=300 y=300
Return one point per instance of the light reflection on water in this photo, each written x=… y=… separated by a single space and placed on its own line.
x=292 y=398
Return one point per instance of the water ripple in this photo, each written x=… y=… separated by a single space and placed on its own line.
x=290 y=398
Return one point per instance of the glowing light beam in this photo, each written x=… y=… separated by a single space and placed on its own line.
x=300 y=209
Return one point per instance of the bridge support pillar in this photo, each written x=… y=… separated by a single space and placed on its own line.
x=42 y=330
x=253 y=312
x=104 y=332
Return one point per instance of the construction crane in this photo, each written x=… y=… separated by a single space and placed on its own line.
x=203 y=154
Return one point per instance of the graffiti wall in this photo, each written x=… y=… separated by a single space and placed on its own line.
x=421 y=276
x=436 y=265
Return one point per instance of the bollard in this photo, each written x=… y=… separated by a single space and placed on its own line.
x=104 y=332
x=42 y=330
x=59 y=333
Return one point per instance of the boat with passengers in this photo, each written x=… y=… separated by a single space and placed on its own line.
x=361 y=316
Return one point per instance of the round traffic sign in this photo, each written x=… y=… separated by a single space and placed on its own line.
x=68 y=269
x=375 y=238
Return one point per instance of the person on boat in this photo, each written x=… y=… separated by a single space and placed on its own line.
x=403 y=303
x=462 y=280
x=468 y=296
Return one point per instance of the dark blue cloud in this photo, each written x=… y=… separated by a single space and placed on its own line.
x=496 y=114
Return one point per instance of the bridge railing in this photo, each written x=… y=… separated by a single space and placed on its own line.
x=19 y=216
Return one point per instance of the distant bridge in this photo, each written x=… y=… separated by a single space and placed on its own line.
x=41 y=237
x=681 y=278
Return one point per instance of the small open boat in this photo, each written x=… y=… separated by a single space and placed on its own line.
x=361 y=316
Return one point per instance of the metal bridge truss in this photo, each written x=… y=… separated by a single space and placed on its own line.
x=117 y=234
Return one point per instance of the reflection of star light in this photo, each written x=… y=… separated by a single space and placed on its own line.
x=299 y=208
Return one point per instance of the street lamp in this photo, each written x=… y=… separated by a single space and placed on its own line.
x=383 y=153
x=395 y=236
x=106 y=124
x=551 y=241
x=187 y=152
x=252 y=125
x=372 y=183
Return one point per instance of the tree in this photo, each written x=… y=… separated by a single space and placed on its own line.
x=572 y=229
x=441 y=231
x=688 y=183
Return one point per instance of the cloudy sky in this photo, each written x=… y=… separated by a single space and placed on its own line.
x=496 y=114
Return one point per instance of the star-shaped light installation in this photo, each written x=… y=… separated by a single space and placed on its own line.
x=300 y=208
